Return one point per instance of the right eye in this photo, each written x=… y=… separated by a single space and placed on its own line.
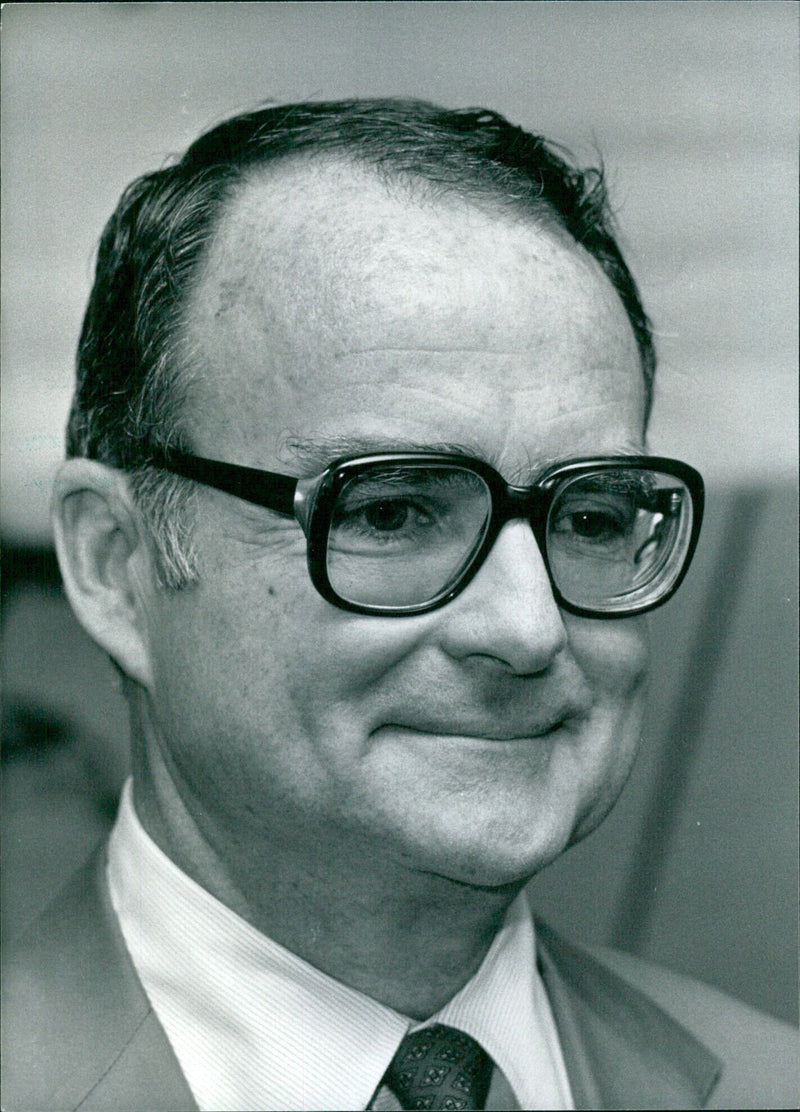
x=410 y=510
x=390 y=522
x=385 y=515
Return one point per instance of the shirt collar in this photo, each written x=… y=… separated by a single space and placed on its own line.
x=505 y=1007
x=255 y=1026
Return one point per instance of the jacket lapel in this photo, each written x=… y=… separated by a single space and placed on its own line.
x=144 y=1075
x=89 y=1039
x=620 y=1049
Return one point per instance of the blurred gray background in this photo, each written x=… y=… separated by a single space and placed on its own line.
x=694 y=109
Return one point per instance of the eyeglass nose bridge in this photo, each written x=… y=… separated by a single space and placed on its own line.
x=516 y=503
x=531 y=504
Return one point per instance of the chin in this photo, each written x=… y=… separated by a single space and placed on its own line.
x=491 y=857
x=495 y=874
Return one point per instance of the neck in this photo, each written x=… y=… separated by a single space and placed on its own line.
x=410 y=941
x=406 y=938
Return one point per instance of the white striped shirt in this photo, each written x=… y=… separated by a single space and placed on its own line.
x=255 y=1027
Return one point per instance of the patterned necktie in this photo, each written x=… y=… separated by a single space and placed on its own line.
x=439 y=1067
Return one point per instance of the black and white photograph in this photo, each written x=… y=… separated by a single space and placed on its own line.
x=399 y=555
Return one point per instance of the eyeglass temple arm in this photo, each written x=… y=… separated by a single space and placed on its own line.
x=262 y=488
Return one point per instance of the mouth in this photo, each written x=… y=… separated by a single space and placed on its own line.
x=493 y=732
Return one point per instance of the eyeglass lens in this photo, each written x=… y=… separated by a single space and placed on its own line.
x=401 y=536
x=618 y=539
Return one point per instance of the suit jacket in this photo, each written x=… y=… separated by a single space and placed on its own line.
x=79 y=1031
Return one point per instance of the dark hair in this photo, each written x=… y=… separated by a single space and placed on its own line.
x=127 y=402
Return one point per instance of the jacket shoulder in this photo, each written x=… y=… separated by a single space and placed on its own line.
x=78 y=1030
x=759 y=1054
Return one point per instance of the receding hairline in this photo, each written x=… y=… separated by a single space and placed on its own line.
x=265 y=190
x=268 y=192
x=310 y=167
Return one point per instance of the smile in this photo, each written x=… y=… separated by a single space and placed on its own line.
x=490 y=734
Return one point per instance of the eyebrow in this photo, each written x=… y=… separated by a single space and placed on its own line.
x=313 y=454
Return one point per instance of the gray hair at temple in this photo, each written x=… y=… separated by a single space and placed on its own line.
x=129 y=392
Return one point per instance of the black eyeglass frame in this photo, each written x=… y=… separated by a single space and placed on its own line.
x=311 y=502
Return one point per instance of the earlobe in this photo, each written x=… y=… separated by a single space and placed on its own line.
x=105 y=561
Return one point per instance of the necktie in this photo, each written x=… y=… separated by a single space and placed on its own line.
x=440 y=1068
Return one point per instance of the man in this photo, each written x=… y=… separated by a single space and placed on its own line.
x=359 y=505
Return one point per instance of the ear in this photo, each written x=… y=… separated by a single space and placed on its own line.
x=105 y=561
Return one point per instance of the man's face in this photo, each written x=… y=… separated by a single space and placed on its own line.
x=475 y=741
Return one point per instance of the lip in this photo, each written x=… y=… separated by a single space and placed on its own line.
x=527 y=732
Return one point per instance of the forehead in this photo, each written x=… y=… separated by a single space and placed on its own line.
x=332 y=304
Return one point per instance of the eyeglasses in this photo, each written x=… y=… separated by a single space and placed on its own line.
x=404 y=533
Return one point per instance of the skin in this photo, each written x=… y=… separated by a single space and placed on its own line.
x=373 y=792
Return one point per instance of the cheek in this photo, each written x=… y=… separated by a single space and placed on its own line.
x=267 y=657
x=337 y=661
x=613 y=657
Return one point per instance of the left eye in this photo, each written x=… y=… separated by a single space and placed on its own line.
x=390 y=515
x=600 y=525
x=593 y=525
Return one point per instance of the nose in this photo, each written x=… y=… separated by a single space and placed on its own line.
x=508 y=611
